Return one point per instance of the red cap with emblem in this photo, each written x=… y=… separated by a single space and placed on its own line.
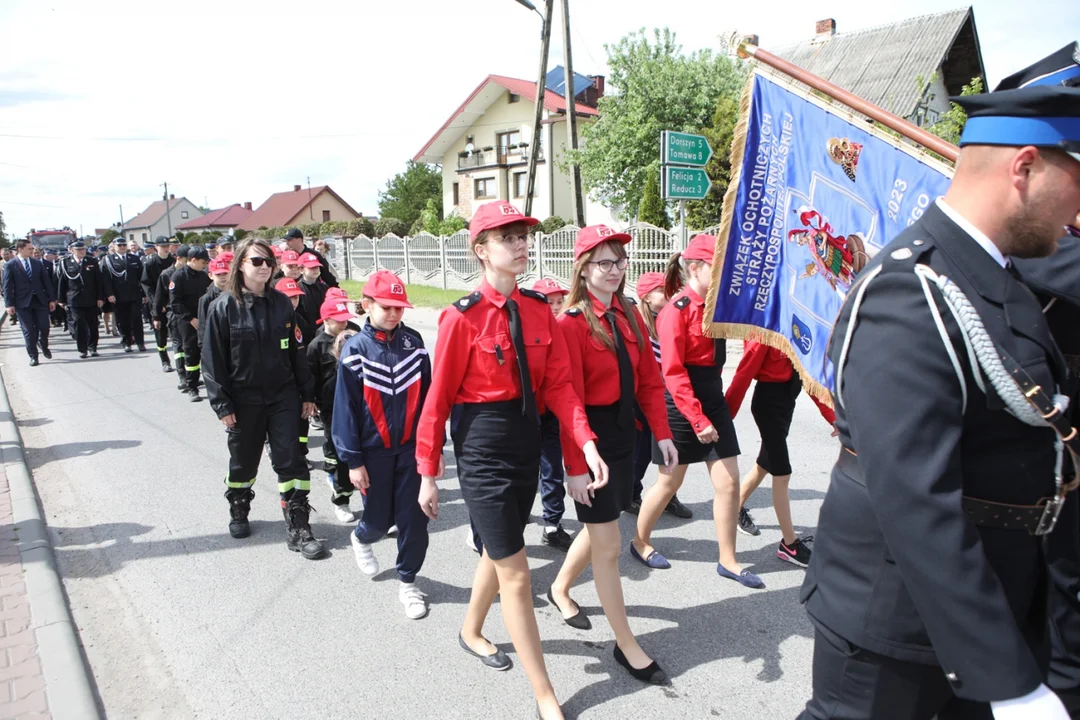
x=335 y=309
x=309 y=261
x=288 y=286
x=702 y=247
x=290 y=257
x=593 y=235
x=277 y=250
x=225 y=257
x=217 y=267
x=337 y=293
x=496 y=214
x=386 y=288
x=648 y=282
x=547 y=286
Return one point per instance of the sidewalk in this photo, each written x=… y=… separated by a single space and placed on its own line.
x=22 y=682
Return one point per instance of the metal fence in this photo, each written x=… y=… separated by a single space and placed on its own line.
x=447 y=262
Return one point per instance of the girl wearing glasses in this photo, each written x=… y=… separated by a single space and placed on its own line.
x=502 y=358
x=259 y=385
x=611 y=366
x=700 y=421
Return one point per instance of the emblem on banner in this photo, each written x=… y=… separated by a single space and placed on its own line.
x=801 y=337
x=836 y=258
x=845 y=153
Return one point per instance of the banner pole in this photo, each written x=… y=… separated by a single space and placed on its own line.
x=909 y=130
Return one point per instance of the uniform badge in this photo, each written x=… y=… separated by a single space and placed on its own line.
x=407 y=342
x=900 y=254
x=172 y=285
x=298 y=335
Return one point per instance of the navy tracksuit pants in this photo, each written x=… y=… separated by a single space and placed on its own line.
x=642 y=452
x=393 y=499
x=552 y=487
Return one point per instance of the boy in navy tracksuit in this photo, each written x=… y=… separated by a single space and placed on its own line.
x=382 y=380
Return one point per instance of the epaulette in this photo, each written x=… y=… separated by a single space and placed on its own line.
x=906 y=255
x=682 y=302
x=631 y=300
x=468 y=301
x=534 y=295
x=573 y=312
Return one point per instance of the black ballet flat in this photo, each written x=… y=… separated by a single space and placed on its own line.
x=496 y=661
x=579 y=621
x=651 y=674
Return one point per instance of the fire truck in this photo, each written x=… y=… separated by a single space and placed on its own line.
x=56 y=240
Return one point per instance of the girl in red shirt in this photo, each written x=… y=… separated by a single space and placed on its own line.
x=698 y=415
x=611 y=366
x=778 y=387
x=502 y=358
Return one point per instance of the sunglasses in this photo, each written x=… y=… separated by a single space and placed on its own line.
x=259 y=261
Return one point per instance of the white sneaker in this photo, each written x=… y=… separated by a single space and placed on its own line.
x=392 y=532
x=365 y=558
x=469 y=540
x=344 y=514
x=415 y=602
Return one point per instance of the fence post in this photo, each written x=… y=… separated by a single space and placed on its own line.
x=405 y=251
x=442 y=259
x=374 y=255
x=347 y=242
x=540 y=255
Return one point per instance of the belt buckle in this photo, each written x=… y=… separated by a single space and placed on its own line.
x=1049 y=518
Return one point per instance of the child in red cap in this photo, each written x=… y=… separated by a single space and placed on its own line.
x=382 y=382
x=290 y=265
x=314 y=288
x=219 y=274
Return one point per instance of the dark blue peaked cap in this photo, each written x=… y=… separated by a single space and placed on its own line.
x=77 y=245
x=1060 y=68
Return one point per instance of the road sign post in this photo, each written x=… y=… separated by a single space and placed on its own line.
x=681 y=183
x=678 y=148
x=683 y=157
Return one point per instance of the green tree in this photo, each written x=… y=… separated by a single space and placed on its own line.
x=704 y=213
x=656 y=87
x=3 y=235
x=431 y=217
x=239 y=235
x=951 y=123
x=652 y=209
x=407 y=193
x=551 y=224
x=391 y=225
x=360 y=226
x=109 y=235
x=451 y=225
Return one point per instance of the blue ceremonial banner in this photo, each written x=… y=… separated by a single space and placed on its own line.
x=815 y=193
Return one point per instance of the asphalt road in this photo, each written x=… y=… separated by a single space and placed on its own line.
x=179 y=620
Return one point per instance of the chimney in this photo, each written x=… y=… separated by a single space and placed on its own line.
x=594 y=92
x=296 y=188
x=825 y=29
x=247 y=206
x=171 y=196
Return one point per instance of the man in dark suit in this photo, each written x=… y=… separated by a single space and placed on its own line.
x=29 y=293
x=929 y=583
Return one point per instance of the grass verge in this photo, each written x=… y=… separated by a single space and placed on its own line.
x=419 y=295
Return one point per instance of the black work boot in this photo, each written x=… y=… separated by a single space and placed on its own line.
x=300 y=539
x=239 y=507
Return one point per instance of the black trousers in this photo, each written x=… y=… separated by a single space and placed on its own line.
x=86 y=327
x=338 y=472
x=189 y=341
x=34 y=321
x=161 y=336
x=302 y=436
x=277 y=421
x=129 y=322
x=855 y=684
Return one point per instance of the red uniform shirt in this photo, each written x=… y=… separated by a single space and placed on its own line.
x=765 y=364
x=475 y=362
x=683 y=342
x=594 y=372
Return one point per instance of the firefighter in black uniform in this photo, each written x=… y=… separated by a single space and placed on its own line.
x=82 y=293
x=153 y=266
x=163 y=313
x=56 y=317
x=123 y=288
x=259 y=385
x=185 y=290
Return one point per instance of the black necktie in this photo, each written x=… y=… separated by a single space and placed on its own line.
x=626 y=373
x=528 y=398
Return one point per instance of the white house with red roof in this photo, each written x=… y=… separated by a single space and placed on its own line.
x=223 y=220
x=484 y=146
x=299 y=206
x=158 y=220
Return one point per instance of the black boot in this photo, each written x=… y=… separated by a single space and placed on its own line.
x=299 y=538
x=239 y=507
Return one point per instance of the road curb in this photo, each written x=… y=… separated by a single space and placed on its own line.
x=68 y=682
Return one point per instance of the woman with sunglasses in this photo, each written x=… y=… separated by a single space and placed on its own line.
x=501 y=357
x=611 y=366
x=259 y=385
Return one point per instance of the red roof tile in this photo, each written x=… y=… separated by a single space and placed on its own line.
x=230 y=216
x=282 y=207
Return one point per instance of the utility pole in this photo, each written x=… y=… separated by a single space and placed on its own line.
x=541 y=89
x=571 y=114
x=310 y=210
x=168 y=218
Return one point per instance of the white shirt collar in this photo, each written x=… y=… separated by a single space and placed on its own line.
x=976 y=234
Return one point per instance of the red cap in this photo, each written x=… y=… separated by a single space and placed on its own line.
x=290 y=257
x=387 y=289
x=335 y=309
x=337 y=293
x=288 y=286
x=593 y=235
x=547 y=286
x=277 y=251
x=496 y=214
x=309 y=261
x=225 y=257
x=648 y=282
x=217 y=267
x=702 y=247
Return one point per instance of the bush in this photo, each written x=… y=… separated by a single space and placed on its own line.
x=389 y=225
x=451 y=225
x=420 y=226
x=550 y=225
x=179 y=235
x=360 y=226
x=239 y=235
x=333 y=227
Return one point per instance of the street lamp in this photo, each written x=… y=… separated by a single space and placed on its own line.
x=541 y=90
x=529 y=5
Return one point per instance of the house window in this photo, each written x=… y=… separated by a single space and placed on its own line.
x=521 y=183
x=326 y=216
x=457 y=195
x=513 y=98
x=508 y=140
x=143 y=237
x=486 y=189
x=183 y=214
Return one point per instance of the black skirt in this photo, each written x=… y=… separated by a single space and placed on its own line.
x=708 y=388
x=498 y=457
x=616 y=447
x=772 y=407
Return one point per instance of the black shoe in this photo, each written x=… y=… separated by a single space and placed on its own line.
x=557 y=538
x=167 y=368
x=94 y=352
x=497 y=661
x=33 y=362
x=310 y=465
x=47 y=353
x=651 y=674
x=797 y=553
x=300 y=539
x=635 y=506
x=142 y=348
x=83 y=355
x=239 y=507
x=578 y=621
x=128 y=348
x=676 y=508
x=194 y=395
x=746 y=523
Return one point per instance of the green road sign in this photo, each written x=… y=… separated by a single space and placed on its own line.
x=678 y=148
x=684 y=183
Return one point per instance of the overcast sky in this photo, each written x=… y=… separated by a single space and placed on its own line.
x=229 y=101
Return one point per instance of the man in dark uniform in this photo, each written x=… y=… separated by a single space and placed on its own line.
x=82 y=292
x=928 y=585
x=56 y=317
x=153 y=266
x=123 y=288
x=185 y=290
x=294 y=240
x=163 y=312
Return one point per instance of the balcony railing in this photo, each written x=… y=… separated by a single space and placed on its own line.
x=499 y=157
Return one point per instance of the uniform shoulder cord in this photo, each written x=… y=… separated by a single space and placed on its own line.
x=63 y=269
x=109 y=264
